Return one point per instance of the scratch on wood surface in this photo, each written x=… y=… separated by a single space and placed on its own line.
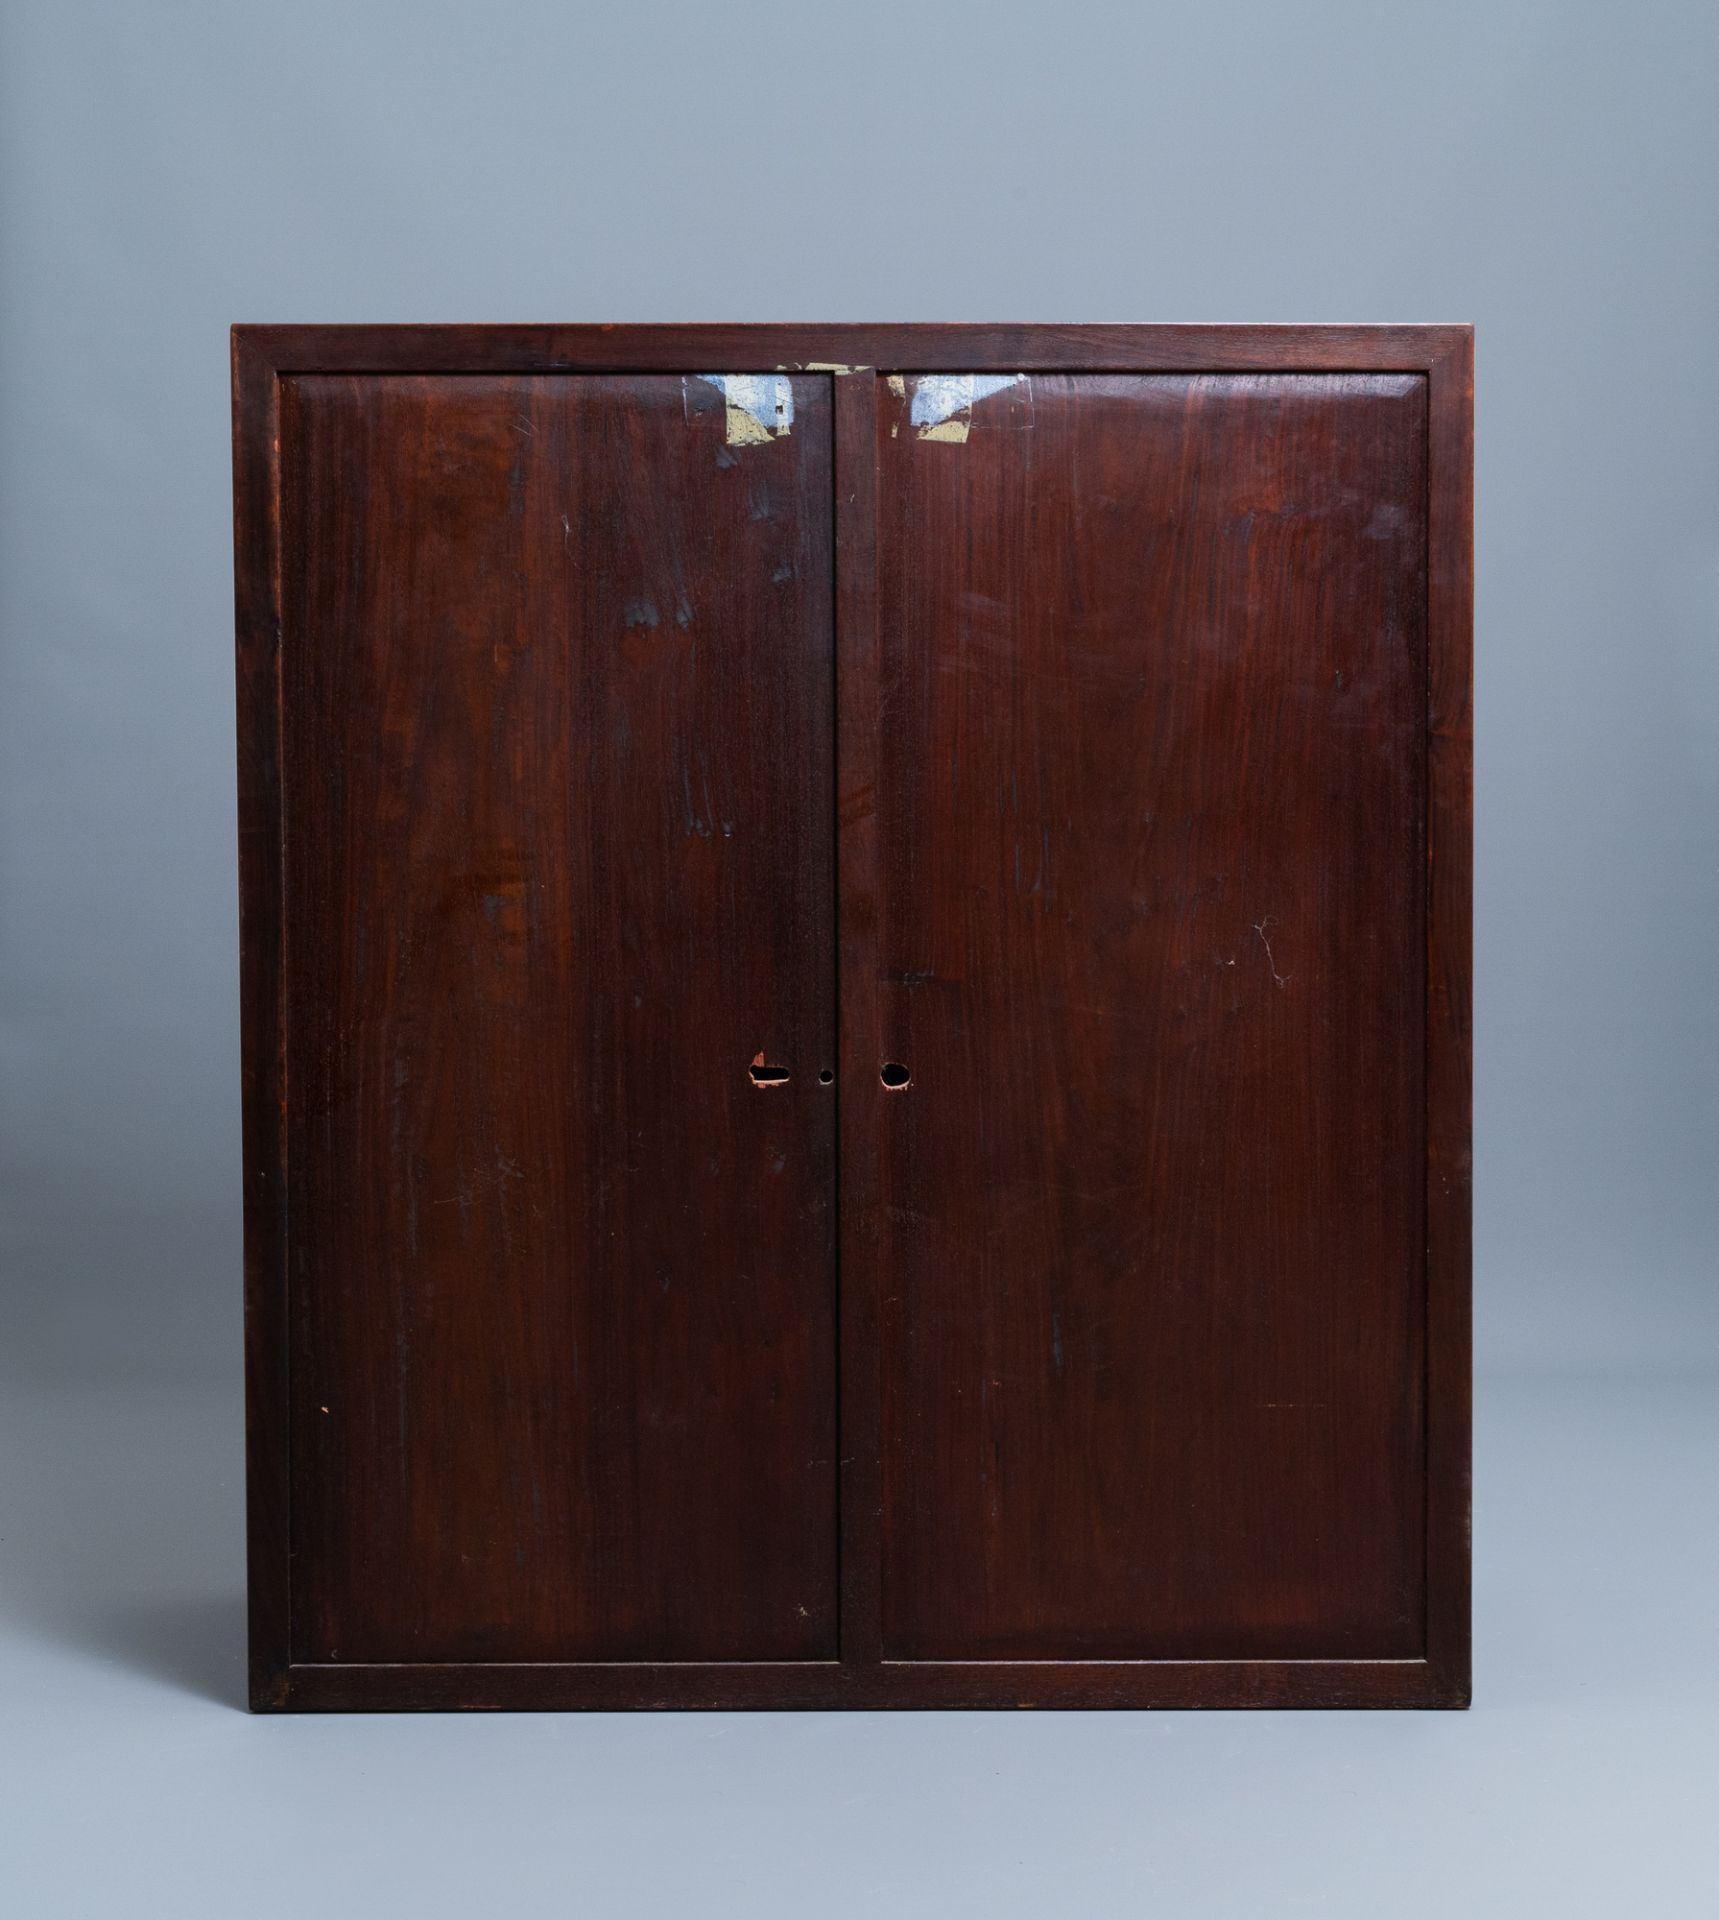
x=1259 y=927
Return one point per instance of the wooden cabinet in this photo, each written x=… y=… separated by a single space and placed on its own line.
x=856 y=1014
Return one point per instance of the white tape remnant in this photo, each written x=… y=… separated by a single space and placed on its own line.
x=943 y=402
x=760 y=406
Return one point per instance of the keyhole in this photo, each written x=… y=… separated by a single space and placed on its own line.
x=895 y=1074
x=825 y=1077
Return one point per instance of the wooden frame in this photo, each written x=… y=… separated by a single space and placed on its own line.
x=261 y=356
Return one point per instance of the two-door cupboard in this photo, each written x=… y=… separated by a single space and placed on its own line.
x=856 y=1014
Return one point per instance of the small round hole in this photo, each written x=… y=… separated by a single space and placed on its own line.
x=826 y=1077
x=895 y=1074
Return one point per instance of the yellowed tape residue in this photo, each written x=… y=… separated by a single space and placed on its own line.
x=758 y=407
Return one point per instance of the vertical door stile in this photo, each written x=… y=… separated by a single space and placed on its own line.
x=857 y=718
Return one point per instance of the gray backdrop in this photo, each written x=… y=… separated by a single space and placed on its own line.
x=1546 y=171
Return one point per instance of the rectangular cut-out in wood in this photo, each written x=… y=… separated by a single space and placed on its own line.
x=856 y=997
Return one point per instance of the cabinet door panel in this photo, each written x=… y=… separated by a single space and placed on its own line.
x=1152 y=876
x=557 y=696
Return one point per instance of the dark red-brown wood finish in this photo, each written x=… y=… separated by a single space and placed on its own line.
x=638 y=778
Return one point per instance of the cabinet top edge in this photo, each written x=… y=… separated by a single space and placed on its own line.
x=850 y=347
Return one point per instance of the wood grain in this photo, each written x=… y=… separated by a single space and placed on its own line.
x=948 y=348
x=262 y=1007
x=858 y=752
x=559 y=864
x=1449 y=1022
x=1142 y=1378
x=1150 y=825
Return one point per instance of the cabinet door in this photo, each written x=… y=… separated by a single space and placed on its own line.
x=556 y=786
x=1150 y=834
